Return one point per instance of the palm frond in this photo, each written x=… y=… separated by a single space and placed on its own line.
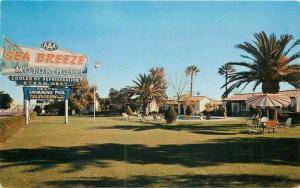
x=268 y=63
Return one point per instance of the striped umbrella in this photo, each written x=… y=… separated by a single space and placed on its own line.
x=268 y=100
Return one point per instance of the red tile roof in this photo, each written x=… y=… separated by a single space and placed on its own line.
x=193 y=98
x=187 y=99
x=171 y=102
x=245 y=96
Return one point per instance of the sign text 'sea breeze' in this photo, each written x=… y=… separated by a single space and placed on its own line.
x=48 y=58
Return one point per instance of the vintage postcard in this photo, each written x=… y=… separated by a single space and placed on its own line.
x=149 y=94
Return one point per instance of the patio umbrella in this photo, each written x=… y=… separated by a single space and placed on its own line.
x=264 y=101
x=268 y=100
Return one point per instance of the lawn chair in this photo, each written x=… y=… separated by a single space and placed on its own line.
x=263 y=123
x=149 y=118
x=140 y=117
x=271 y=124
x=252 y=127
x=126 y=116
x=286 y=125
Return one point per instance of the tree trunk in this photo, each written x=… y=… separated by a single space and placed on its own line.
x=270 y=87
x=226 y=88
x=144 y=108
x=191 y=87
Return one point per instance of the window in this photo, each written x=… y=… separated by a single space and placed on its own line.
x=234 y=107
x=243 y=107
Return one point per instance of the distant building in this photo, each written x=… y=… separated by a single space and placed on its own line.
x=236 y=104
x=90 y=106
x=152 y=107
x=198 y=104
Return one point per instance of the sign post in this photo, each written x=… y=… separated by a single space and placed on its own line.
x=26 y=111
x=66 y=111
x=96 y=65
x=46 y=93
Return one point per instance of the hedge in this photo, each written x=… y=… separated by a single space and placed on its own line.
x=11 y=125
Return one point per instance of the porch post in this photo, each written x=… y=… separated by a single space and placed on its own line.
x=298 y=104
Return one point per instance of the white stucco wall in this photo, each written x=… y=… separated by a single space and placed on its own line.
x=153 y=107
x=202 y=103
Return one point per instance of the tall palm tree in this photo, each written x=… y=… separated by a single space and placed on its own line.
x=268 y=63
x=147 y=89
x=226 y=71
x=192 y=71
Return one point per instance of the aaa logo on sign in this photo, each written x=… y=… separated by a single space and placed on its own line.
x=50 y=46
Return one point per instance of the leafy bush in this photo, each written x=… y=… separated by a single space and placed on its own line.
x=128 y=110
x=5 y=100
x=56 y=108
x=38 y=110
x=295 y=117
x=170 y=115
x=189 y=110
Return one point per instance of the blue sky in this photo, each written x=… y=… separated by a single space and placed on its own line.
x=132 y=37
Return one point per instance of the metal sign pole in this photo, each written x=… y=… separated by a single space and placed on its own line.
x=94 y=106
x=66 y=112
x=29 y=119
x=26 y=105
x=26 y=111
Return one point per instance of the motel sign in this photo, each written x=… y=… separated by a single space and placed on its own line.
x=46 y=73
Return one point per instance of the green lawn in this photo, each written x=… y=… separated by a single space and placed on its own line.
x=116 y=152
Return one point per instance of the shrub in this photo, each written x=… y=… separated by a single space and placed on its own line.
x=205 y=112
x=170 y=115
x=38 y=110
x=128 y=110
x=189 y=110
x=5 y=100
x=162 y=110
x=295 y=117
x=11 y=125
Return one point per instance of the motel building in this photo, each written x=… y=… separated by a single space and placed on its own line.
x=198 y=104
x=236 y=104
x=90 y=106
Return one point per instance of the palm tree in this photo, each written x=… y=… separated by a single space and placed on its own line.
x=268 y=63
x=226 y=71
x=191 y=71
x=147 y=88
